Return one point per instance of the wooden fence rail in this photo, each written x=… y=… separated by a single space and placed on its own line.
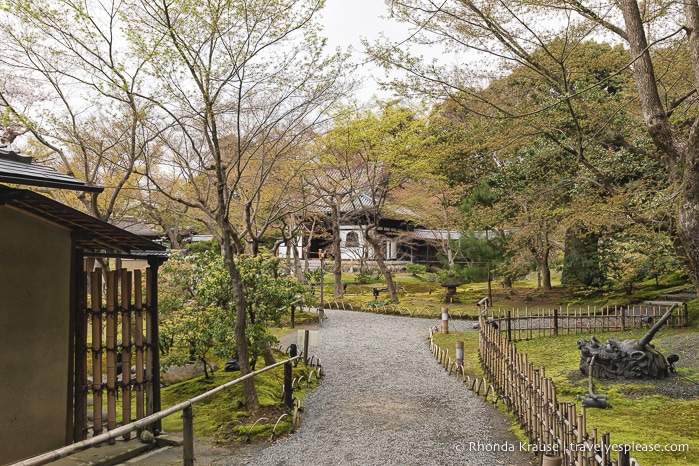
x=534 y=323
x=185 y=407
x=555 y=429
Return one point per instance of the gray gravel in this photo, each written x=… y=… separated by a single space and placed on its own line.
x=385 y=400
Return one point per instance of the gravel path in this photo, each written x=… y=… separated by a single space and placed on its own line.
x=385 y=400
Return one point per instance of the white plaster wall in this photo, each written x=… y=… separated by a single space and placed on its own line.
x=354 y=252
x=34 y=335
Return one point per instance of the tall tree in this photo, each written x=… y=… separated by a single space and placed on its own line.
x=508 y=33
x=337 y=181
x=242 y=83
x=381 y=151
x=70 y=83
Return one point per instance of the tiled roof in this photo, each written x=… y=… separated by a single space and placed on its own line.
x=137 y=227
x=440 y=235
x=19 y=169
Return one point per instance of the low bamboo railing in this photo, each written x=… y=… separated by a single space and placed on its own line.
x=525 y=324
x=187 y=414
x=556 y=429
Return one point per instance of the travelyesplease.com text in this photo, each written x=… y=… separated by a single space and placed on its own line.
x=574 y=447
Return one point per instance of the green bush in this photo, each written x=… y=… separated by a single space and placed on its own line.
x=366 y=277
x=415 y=269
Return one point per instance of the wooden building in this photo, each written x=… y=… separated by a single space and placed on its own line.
x=60 y=341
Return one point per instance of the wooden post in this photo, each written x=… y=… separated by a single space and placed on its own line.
x=96 y=304
x=138 y=343
x=490 y=286
x=112 y=293
x=605 y=450
x=460 y=353
x=555 y=322
x=321 y=306
x=79 y=427
x=305 y=346
x=509 y=326
x=293 y=311
x=624 y=457
x=445 y=320
x=154 y=338
x=623 y=319
x=126 y=277
x=188 y=436
x=149 y=346
x=288 y=392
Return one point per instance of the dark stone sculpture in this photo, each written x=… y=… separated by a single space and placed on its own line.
x=633 y=359
x=450 y=284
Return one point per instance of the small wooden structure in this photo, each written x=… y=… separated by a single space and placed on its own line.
x=62 y=336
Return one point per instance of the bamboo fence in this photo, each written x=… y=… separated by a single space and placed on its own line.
x=535 y=323
x=555 y=429
x=115 y=336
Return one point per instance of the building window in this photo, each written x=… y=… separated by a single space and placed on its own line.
x=352 y=240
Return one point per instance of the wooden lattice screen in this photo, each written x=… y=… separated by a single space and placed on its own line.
x=114 y=334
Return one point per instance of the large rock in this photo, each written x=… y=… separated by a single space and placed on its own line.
x=176 y=374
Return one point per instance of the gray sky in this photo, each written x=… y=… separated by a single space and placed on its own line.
x=346 y=22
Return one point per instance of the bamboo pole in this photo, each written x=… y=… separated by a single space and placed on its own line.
x=138 y=343
x=445 y=320
x=81 y=362
x=149 y=344
x=623 y=319
x=112 y=294
x=572 y=418
x=96 y=304
x=580 y=438
x=188 y=436
x=126 y=278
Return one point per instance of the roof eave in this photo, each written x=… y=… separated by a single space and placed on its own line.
x=49 y=184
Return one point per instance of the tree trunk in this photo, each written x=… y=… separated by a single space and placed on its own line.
x=381 y=263
x=251 y=401
x=338 y=291
x=679 y=154
x=541 y=253
x=298 y=271
x=268 y=354
x=307 y=247
x=252 y=247
x=545 y=273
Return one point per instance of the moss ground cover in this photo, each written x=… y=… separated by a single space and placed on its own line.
x=643 y=413
x=224 y=417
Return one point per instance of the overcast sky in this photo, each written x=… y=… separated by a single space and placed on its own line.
x=346 y=22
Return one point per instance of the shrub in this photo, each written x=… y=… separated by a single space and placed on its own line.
x=415 y=269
